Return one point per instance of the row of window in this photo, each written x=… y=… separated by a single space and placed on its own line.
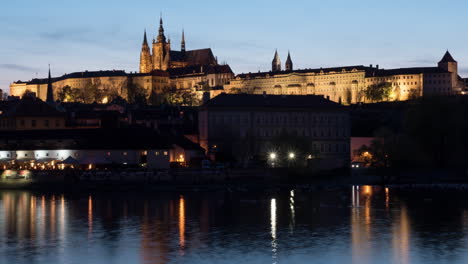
x=281 y=119
x=303 y=132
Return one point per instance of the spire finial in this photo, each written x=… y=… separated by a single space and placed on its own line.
x=161 y=38
x=182 y=44
x=50 y=92
x=145 y=41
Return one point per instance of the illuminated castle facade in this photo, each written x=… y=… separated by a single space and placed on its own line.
x=163 y=58
x=347 y=84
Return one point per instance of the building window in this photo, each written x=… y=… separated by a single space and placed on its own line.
x=25 y=154
x=108 y=153
x=156 y=153
x=33 y=123
x=124 y=153
x=46 y=123
x=165 y=153
x=22 y=122
x=57 y=123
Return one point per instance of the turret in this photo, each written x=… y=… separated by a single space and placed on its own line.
x=276 y=63
x=289 y=64
x=449 y=64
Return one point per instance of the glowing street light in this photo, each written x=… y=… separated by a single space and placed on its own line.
x=291 y=155
x=272 y=156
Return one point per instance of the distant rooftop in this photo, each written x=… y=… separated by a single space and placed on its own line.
x=270 y=101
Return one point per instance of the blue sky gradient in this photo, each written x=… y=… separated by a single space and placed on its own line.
x=105 y=35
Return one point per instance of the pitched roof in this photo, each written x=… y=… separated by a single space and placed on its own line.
x=29 y=106
x=447 y=58
x=244 y=101
x=318 y=70
x=400 y=71
x=199 y=69
x=192 y=57
x=101 y=138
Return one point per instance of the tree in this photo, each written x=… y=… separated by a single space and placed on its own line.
x=136 y=94
x=378 y=92
x=348 y=96
x=65 y=94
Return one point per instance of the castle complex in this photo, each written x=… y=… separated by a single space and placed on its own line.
x=198 y=71
x=192 y=70
x=347 y=84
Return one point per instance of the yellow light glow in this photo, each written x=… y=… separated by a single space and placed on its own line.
x=105 y=100
x=292 y=155
x=272 y=156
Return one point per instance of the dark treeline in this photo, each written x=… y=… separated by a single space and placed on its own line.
x=429 y=132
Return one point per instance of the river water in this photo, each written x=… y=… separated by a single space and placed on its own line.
x=350 y=225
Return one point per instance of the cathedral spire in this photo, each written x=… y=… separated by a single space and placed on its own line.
x=289 y=64
x=161 y=37
x=276 y=63
x=145 y=41
x=182 y=44
x=50 y=92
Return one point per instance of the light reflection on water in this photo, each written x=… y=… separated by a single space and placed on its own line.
x=362 y=224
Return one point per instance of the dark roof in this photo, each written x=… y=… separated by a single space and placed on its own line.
x=400 y=71
x=102 y=138
x=199 y=70
x=325 y=70
x=270 y=101
x=447 y=58
x=29 y=106
x=85 y=74
x=199 y=56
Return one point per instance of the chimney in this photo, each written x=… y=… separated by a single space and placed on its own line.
x=377 y=66
x=370 y=66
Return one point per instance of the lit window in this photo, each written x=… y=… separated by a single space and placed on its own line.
x=165 y=153
x=125 y=153
x=108 y=153
x=156 y=153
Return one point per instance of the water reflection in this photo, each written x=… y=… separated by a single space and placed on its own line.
x=273 y=229
x=182 y=223
x=362 y=224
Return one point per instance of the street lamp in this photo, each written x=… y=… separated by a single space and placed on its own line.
x=292 y=155
x=272 y=156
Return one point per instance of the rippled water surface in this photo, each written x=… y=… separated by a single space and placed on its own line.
x=354 y=225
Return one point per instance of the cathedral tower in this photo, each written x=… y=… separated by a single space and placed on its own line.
x=146 y=64
x=276 y=63
x=289 y=64
x=449 y=64
x=161 y=50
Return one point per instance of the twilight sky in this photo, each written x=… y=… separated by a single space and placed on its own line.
x=105 y=35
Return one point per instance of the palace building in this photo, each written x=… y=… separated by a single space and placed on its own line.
x=194 y=70
x=347 y=84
